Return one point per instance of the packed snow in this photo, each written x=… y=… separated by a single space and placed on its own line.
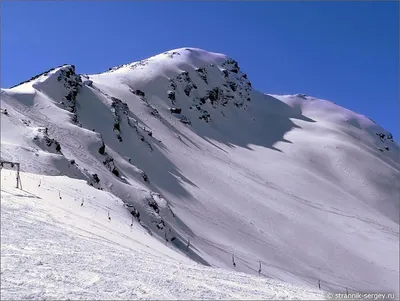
x=55 y=248
x=302 y=185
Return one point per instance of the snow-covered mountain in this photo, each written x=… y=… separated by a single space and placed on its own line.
x=306 y=187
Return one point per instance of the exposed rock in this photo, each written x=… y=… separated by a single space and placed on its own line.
x=136 y=214
x=72 y=82
x=161 y=225
x=299 y=95
x=115 y=172
x=202 y=72
x=139 y=64
x=42 y=139
x=383 y=137
x=184 y=78
x=214 y=94
x=154 y=112
x=232 y=85
x=153 y=204
x=39 y=75
x=94 y=181
x=172 y=54
x=144 y=176
x=171 y=96
x=117 y=127
x=102 y=149
x=26 y=122
x=206 y=116
x=185 y=120
x=175 y=110
x=138 y=92
x=172 y=84
x=95 y=178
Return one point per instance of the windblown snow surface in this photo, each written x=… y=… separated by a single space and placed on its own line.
x=56 y=249
x=193 y=153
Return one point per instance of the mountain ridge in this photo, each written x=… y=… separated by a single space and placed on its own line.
x=171 y=54
x=184 y=139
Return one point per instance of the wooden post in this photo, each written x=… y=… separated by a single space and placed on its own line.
x=319 y=284
x=233 y=260
x=18 y=177
x=259 y=269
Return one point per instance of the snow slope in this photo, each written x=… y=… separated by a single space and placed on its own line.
x=54 y=248
x=308 y=188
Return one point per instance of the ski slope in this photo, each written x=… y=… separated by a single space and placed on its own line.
x=54 y=248
x=302 y=185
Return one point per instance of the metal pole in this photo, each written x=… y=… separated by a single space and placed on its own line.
x=17 y=175
x=19 y=184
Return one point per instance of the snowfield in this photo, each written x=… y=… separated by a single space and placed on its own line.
x=54 y=248
x=187 y=148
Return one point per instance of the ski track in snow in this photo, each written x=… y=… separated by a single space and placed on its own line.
x=46 y=254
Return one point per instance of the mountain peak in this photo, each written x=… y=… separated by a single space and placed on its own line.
x=47 y=74
x=176 y=57
x=197 y=53
x=194 y=152
x=199 y=76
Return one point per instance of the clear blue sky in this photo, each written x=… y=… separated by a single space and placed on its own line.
x=346 y=52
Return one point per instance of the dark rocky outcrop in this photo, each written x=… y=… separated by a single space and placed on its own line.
x=172 y=96
x=172 y=84
x=153 y=204
x=43 y=140
x=120 y=109
x=72 y=82
x=171 y=54
x=144 y=176
x=202 y=72
x=135 y=213
x=102 y=149
x=383 y=137
x=138 y=93
x=185 y=120
x=188 y=84
x=175 y=110
x=95 y=178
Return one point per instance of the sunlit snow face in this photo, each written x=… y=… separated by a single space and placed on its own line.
x=185 y=140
